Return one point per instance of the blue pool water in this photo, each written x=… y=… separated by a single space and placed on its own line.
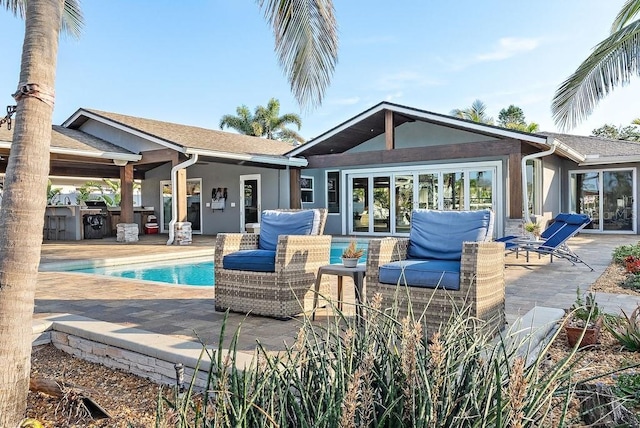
x=185 y=272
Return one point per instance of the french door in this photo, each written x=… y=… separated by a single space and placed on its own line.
x=250 y=196
x=382 y=202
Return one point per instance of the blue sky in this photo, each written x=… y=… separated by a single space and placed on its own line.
x=192 y=64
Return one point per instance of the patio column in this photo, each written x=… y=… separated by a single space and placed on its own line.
x=127 y=229
x=515 y=185
x=295 y=196
x=180 y=193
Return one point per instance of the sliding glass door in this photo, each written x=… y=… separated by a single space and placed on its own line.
x=606 y=196
x=194 y=207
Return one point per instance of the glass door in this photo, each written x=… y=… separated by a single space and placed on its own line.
x=251 y=201
x=194 y=206
x=606 y=196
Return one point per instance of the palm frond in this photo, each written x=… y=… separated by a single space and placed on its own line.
x=626 y=15
x=72 y=19
x=612 y=63
x=306 y=42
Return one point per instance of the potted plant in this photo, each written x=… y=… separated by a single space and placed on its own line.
x=533 y=229
x=584 y=321
x=351 y=254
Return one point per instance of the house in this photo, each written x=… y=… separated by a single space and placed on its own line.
x=369 y=171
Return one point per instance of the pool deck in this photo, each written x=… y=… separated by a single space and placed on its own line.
x=188 y=312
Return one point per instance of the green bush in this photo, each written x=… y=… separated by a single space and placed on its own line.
x=622 y=252
x=387 y=372
x=628 y=388
x=626 y=329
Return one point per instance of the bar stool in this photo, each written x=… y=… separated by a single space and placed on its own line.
x=54 y=225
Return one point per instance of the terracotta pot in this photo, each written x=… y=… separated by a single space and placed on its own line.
x=591 y=335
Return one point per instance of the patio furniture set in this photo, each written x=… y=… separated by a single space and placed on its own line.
x=449 y=264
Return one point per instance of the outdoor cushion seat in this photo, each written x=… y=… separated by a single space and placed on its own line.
x=253 y=260
x=422 y=273
x=453 y=248
x=292 y=244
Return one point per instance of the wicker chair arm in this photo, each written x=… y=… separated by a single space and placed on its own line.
x=382 y=251
x=302 y=252
x=482 y=265
x=227 y=243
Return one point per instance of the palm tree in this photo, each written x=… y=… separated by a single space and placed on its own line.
x=476 y=113
x=25 y=194
x=265 y=122
x=306 y=44
x=612 y=63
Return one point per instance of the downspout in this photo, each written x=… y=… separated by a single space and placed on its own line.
x=525 y=199
x=174 y=201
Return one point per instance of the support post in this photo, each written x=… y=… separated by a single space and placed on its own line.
x=295 y=195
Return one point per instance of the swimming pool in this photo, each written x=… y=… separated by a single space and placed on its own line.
x=185 y=272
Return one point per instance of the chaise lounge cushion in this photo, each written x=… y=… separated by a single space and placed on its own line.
x=251 y=260
x=275 y=223
x=422 y=273
x=440 y=234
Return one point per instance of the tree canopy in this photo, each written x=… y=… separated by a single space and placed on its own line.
x=612 y=63
x=477 y=112
x=264 y=122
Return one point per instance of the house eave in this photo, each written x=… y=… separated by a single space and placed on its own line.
x=609 y=160
x=270 y=160
x=129 y=157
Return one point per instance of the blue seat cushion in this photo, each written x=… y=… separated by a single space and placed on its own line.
x=422 y=273
x=274 y=223
x=251 y=260
x=440 y=234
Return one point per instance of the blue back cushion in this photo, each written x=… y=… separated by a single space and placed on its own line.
x=251 y=260
x=440 y=234
x=275 y=223
x=422 y=273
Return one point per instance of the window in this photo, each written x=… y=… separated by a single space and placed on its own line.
x=306 y=189
x=534 y=185
x=333 y=192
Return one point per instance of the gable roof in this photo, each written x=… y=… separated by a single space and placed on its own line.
x=192 y=139
x=371 y=123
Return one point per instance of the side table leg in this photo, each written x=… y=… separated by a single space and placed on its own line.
x=339 y=292
x=315 y=296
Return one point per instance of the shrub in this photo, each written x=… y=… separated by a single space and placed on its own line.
x=632 y=264
x=626 y=329
x=628 y=388
x=622 y=252
x=386 y=372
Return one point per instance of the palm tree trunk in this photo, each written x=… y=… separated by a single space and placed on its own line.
x=23 y=207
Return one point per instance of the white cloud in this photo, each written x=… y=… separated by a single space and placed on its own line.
x=394 y=96
x=508 y=47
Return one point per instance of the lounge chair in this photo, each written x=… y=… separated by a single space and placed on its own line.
x=553 y=239
x=447 y=265
x=274 y=273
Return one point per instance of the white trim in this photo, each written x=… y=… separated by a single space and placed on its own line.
x=415 y=170
x=312 y=189
x=88 y=154
x=600 y=171
x=125 y=128
x=271 y=160
x=430 y=117
x=609 y=160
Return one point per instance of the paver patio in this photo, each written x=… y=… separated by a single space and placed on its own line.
x=189 y=311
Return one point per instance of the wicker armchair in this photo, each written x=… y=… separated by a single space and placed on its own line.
x=281 y=294
x=481 y=292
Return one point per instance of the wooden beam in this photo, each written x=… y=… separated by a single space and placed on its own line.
x=157 y=156
x=514 y=187
x=295 y=195
x=181 y=194
x=126 y=194
x=389 y=130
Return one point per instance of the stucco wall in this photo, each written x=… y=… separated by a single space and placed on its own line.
x=274 y=189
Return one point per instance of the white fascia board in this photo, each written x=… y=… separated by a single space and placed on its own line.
x=124 y=128
x=610 y=160
x=104 y=155
x=130 y=157
x=288 y=161
x=570 y=152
